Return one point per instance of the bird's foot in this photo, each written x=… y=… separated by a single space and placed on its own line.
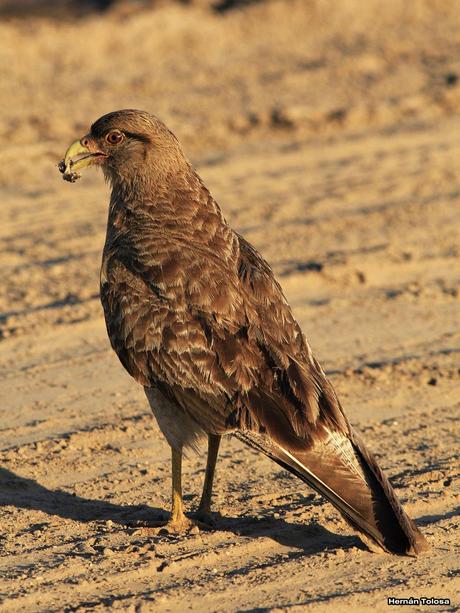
x=205 y=517
x=182 y=525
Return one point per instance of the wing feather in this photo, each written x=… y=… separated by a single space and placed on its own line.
x=217 y=327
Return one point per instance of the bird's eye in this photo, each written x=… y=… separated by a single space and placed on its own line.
x=114 y=137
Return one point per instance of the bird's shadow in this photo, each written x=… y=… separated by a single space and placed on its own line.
x=24 y=493
x=308 y=538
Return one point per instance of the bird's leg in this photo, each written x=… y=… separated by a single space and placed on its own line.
x=178 y=522
x=204 y=510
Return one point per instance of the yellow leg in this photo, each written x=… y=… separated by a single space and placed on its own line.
x=177 y=519
x=178 y=522
x=204 y=510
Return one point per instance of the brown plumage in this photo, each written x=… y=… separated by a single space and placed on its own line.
x=196 y=316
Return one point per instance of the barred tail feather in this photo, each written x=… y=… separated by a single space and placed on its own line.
x=345 y=472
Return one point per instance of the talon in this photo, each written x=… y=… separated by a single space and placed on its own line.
x=181 y=526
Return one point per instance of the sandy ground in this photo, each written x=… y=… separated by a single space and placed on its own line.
x=335 y=150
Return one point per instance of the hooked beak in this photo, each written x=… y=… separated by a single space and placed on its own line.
x=76 y=157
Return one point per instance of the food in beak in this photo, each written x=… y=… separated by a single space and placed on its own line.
x=67 y=173
x=77 y=156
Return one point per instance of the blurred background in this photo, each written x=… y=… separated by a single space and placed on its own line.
x=222 y=71
x=329 y=132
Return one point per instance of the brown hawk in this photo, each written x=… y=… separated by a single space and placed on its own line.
x=196 y=316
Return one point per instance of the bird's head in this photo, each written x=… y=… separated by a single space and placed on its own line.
x=124 y=143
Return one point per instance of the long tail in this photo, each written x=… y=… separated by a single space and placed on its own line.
x=345 y=472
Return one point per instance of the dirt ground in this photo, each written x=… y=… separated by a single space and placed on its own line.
x=330 y=134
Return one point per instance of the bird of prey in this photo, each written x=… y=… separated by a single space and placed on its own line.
x=196 y=316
